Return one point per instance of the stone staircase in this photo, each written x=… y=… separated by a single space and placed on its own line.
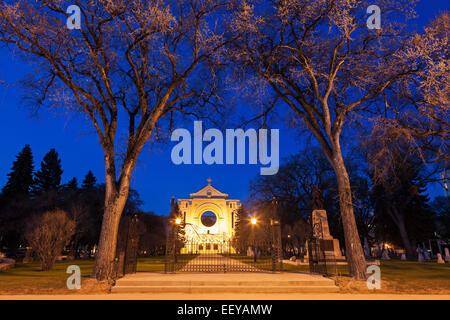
x=224 y=283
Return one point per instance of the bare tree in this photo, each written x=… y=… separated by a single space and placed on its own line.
x=48 y=234
x=399 y=174
x=320 y=58
x=432 y=50
x=129 y=69
x=303 y=178
x=421 y=111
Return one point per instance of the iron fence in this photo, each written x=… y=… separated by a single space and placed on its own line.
x=210 y=253
x=321 y=256
x=127 y=247
x=195 y=256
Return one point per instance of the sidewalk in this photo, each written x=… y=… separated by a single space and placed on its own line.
x=181 y=296
x=214 y=261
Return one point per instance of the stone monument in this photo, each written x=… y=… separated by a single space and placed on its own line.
x=249 y=252
x=385 y=255
x=28 y=257
x=439 y=258
x=320 y=221
x=447 y=255
x=86 y=253
x=419 y=255
x=366 y=248
x=403 y=257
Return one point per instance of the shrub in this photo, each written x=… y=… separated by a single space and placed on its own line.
x=48 y=234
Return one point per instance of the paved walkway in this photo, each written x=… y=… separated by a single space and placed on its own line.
x=223 y=277
x=262 y=278
x=217 y=284
x=218 y=263
x=227 y=296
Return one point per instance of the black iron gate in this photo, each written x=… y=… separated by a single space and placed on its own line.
x=219 y=256
x=127 y=246
x=321 y=256
x=210 y=253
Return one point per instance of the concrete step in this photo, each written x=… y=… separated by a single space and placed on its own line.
x=225 y=289
x=220 y=283
x=147 y=282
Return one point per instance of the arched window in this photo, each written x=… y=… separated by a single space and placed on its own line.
x=208 y=218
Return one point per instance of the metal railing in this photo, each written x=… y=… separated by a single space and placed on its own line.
x=196 y=256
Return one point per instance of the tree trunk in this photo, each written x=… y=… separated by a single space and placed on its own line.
x=355 y=255
x=108 y=236
x=405 y=239
x=115 y=199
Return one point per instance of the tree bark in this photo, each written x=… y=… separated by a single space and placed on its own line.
x=405 y=239
x=355 y=255
x=108 y=236
x=115 y=200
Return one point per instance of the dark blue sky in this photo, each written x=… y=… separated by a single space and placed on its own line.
x=155 y=178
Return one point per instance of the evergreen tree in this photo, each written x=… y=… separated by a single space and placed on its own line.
x=70 y=194
x=441 y=208
x=89 y=181
x=72 y=184
x=400 y=200
x=49 y=176
x=173 y=215
x=20 y=179
x=15 y=205
x=92 y=195
x=241 y=233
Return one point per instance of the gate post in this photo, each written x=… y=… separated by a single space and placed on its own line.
x=170 y=249
x=132 y=246
x=276 y=253
x=127 y=246
x=317 y=259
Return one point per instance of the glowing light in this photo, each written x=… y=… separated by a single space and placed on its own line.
x=178 y=220
x=253 y=221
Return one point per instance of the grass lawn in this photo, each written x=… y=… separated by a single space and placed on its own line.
x=411 y=277
x=341 y=270
x=156 y=264
x=397 y=277
x=262 y=263
x=29 y=278
x=151 y=264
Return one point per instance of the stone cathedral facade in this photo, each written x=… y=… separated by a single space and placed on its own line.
x=210 y=219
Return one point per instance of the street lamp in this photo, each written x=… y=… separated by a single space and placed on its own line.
x=177 y=226
x=253 y=222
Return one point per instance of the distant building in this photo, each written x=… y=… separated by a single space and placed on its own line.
x=210 y=219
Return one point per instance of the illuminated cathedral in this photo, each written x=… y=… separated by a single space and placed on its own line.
x=209 y=218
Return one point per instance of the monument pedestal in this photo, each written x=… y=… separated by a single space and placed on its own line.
x=329 y=245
